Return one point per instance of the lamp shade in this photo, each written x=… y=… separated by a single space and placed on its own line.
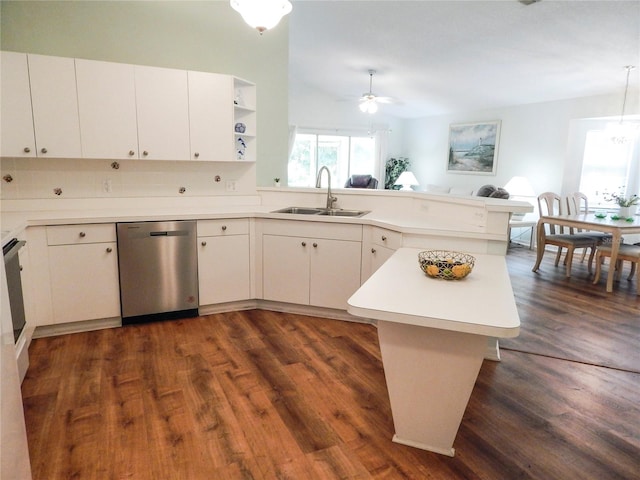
x=406 y=179
x=519 y=187
x=262 y=14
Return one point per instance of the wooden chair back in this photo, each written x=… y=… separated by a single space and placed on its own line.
x=577 y=202
x=550 y=203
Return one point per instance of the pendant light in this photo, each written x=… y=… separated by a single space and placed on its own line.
x=262 y=14
x=621 y=132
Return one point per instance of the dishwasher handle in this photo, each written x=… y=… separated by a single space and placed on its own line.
x=170 y=233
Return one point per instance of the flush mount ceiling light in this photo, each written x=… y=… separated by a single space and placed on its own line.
x=623 y=132
x=261 y=14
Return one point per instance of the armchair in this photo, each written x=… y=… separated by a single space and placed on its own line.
x=361 y=181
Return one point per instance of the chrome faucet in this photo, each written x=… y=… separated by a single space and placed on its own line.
x=330 y=199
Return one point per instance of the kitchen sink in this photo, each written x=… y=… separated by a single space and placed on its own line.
x=339 y=212
x=300 y=210
x=344 y=213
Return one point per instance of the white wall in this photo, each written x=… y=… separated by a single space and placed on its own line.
x=534 y=141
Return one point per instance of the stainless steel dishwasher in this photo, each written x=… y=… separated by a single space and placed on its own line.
x=158 y=270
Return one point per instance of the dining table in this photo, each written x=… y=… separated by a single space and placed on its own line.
x=596 y=222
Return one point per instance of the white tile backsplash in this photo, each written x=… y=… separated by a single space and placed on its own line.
x=36 y=178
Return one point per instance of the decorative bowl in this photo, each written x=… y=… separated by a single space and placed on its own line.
x=446 y=264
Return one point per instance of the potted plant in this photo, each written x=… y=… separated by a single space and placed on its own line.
x=393 y=168
x=276 y=181
x=627 y=204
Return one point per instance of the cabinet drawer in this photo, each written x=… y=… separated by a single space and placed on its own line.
x=213 y=228
x=78 y=234
x=386 y=238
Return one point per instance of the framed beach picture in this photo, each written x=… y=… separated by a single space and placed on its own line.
x=473 y=148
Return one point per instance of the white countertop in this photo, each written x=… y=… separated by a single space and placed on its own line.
x=13 y=223
x=481 y=304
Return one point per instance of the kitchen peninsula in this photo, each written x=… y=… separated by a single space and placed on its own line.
x=433 y=336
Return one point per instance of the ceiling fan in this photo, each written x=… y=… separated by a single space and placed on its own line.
x=369 y=101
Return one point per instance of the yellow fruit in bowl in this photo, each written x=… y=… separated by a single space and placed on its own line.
x=460 y=271
x=433 y=270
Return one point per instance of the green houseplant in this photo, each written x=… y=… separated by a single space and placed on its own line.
x=393 y=168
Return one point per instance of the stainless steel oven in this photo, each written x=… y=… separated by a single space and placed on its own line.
x=14 y=284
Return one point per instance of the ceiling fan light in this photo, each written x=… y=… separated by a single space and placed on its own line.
x=369 y=106
x=262 y=14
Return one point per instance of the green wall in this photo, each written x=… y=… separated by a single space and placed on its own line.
x=194 y=35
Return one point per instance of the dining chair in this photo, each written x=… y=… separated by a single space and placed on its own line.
x=550 y=204
x=578 y=202
x=630 y=253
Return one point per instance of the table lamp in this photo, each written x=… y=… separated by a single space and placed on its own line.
x=406 y=179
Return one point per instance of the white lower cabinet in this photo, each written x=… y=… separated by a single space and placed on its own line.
x=224 y=272
x=379 y=245
x=311 y=270
x=83 y=271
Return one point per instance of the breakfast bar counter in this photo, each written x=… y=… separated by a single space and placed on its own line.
x=433 y=337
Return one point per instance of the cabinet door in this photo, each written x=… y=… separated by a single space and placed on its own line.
x=162 y=105
x=379 y=255
x=211 y=116
x=285 y=269
x=55 y=106
x=84 y=282
x=107 y=108
x=223 y=269
x=15 y=107
x=335 y=272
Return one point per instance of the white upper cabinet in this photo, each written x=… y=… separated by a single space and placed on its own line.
x=15 y=107
x=162 y=102
x=210 y=116
x=55 y=106
x=107 y=109
x=76 y=108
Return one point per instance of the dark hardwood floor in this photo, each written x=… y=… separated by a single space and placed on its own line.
x=266 y=395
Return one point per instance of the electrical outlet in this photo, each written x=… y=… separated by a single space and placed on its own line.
x=106 y=186
x=232 y=185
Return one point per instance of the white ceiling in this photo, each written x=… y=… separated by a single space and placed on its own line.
x=439 y=57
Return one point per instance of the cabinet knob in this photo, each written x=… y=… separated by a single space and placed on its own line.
x=27 y=149
x=145 y=153
x=109 y=249
x=131 y=153
x=197 y=154
x=315 y=245
x=384 y=239
x=304 y=244
x=203 y=243
x=373 y=250
x=43 y=150
x=224 y=227
x=82 y=234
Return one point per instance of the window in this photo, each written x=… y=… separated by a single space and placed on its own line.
x=607 y=167
x=342 y=155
